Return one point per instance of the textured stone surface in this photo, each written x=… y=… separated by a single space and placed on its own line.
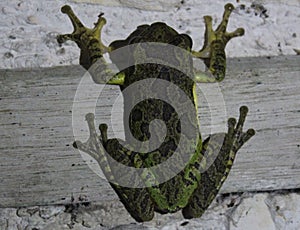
x=252 y=213
x=285 y=209
x=266 y=211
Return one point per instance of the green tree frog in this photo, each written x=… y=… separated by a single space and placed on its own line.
x=201 y=166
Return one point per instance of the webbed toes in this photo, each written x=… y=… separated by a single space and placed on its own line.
x=213 y=50
x=239 y=136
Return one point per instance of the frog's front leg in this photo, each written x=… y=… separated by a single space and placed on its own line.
x=224 y=147
x=136 y=200
x=91 y=48
x=213 y=51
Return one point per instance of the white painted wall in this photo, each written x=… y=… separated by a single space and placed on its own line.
x=29 y=28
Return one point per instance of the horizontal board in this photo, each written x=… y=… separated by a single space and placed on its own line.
x=39 y=166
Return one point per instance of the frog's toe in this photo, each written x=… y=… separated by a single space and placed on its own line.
x=76 y=144
x=66 y=9
x=208 y=21
x=231 y=125
x=240 y=136
x=61 y=38
x=103 y=130
x=99 y=25
x=229 y=7
x=251 y=132
x=103 y=127
x=64 y=37
x=243 y=113
x=82 y=146
x=246 y=136
x=237 y=33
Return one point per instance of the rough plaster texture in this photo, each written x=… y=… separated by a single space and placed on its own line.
x=29 y=28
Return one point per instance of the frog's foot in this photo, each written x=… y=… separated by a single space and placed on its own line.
x=88 y=40
x=213 y=51
x=235 y=137
x=95 y=145
x=220 y=153
x=136 y=200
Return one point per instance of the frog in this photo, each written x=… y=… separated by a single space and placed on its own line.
x=197 y=183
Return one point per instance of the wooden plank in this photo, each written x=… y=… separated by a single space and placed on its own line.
x=39 y=166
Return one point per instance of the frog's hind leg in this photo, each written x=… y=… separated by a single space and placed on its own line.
x=213 y=51
x=136 y=200
x=219 y=151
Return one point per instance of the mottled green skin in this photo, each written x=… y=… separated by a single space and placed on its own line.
x=191 y=190
x=175 y=193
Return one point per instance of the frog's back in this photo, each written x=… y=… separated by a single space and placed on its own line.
x=174 y=193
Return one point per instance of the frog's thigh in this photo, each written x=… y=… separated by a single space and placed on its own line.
x=137 y=201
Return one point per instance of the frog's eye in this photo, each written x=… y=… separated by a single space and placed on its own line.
x=182 y=40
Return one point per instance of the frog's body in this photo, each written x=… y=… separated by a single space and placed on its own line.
x=166 y=198
x=191 y=189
